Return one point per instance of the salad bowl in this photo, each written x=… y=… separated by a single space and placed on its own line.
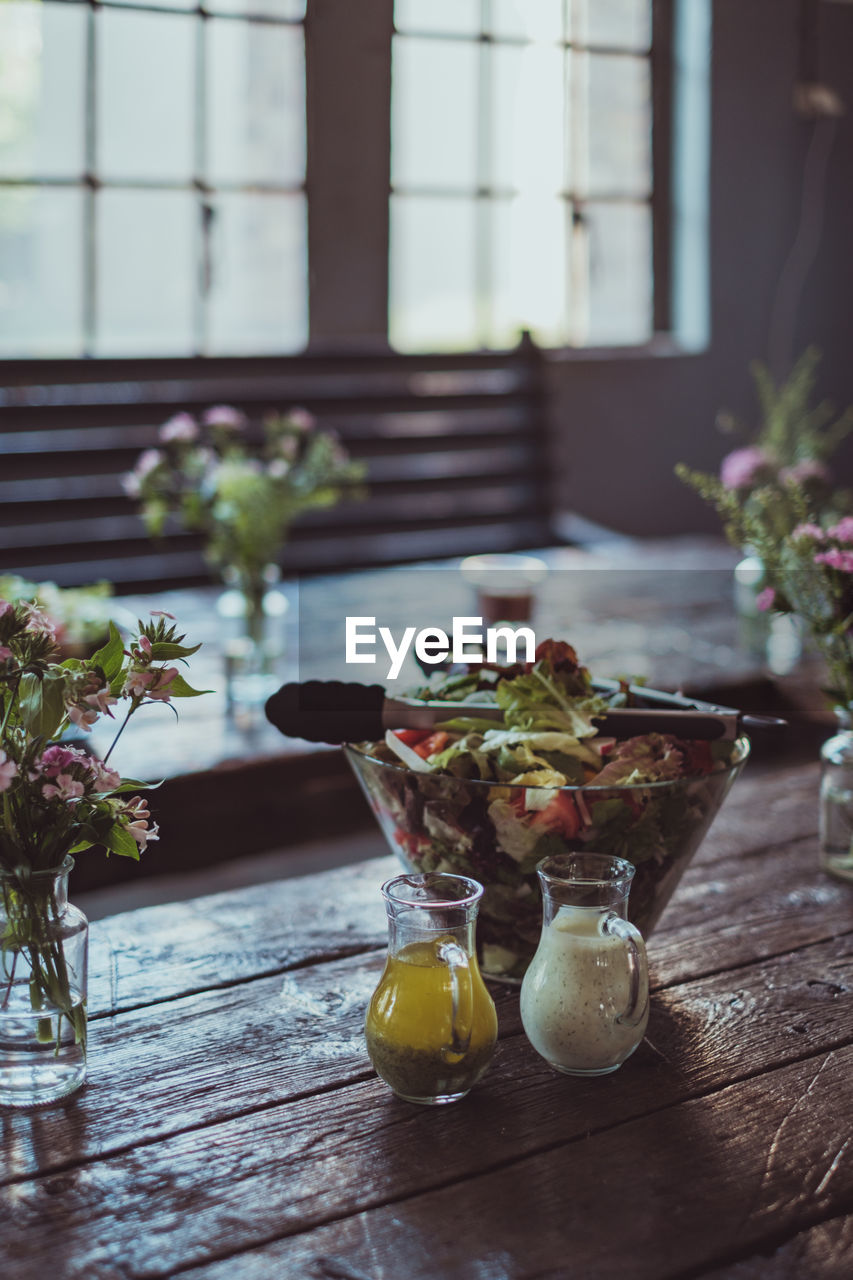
x=496 y=832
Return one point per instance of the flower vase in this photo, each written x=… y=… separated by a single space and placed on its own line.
x=836 y=799
x=253 y=606
x=43 y=977
x=773 y=638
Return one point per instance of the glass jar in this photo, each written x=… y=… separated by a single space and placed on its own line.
x=431 y=1024
x=585 y=995
x=836 y=799
x=43 y=977
x=253 y=611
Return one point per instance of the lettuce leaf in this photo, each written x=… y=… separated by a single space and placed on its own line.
x=545 y=699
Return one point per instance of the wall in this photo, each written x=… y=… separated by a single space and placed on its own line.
x=617 y=438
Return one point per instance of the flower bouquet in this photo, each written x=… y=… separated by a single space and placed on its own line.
x=240 y=488
x=57 y=800
x=776 y=497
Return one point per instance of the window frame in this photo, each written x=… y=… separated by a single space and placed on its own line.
x=348 y=239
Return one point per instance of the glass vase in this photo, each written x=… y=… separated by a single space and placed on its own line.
x=836 y=799
x=43 y=976
x=253 y=607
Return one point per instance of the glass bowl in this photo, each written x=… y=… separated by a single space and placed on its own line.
x=497 y=832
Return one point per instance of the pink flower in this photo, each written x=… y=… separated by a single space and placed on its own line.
x=160 y=613
x=147 y=461
x=161 y=688
x=5 y=652
x=39 y=623
x=137 y=683
x=151 y=683
x=83 y=717
x=5 y=607
x=182 y=427
x=8 y=769
x=138 y=826
x=765 y=599
x=836 y=559
x=55 y=760
x=103 y=777
x=87 y=700
x=64 y=788
x=301 y=419
x=808 y=530
x=744 y=467
x=808 y=469
x=225 y=415
x=843 y=531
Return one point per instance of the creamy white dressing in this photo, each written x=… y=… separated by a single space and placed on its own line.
x=575 y=992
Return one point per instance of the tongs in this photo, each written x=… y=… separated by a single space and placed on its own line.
x=332 y=711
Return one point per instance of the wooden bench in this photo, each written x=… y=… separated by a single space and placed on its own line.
x=454 y=447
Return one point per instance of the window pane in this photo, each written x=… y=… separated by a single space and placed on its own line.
x=620 y=281
x=542 y=20
x=258 y=299
x=184 y=5
x=145 y=95
x=452 y=17
x=529 y=271
x=255 y=103
x=146 y=244
x=527 y=103
x=432 y=303
x=618 y=24
x=293 y=10
x=42 y=96
x=619 y=158
x=41 y=272
x=434 y=113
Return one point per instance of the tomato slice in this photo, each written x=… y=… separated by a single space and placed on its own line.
x=432 y=744
x=412 y=736
x=560 y=815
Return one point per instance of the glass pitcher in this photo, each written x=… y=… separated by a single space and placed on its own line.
x=585 y=995
x=431 y=1024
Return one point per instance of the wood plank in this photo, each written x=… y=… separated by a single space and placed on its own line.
x=338 y=1177
x=710 y=924
x=160 y=953
x=822 y=1253
x=199 y=1061
x=762 y=811
x=602 y=1207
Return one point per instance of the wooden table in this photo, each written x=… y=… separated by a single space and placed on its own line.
x=232 y=1128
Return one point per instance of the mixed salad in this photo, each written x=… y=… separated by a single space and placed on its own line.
x=491 y=797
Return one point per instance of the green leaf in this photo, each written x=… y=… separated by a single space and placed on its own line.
x=120 y=841
x=179 y=688
x=162 y=650
x=42 y=705
x=111 y=657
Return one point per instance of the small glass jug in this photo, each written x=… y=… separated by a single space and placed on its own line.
x=585 y=995
x=431 y=1024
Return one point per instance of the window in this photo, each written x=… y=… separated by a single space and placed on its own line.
x=521 y=171
x=152 y=173
x=165 y=166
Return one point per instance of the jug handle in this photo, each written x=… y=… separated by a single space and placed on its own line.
x=462 y=996
x=635 y=950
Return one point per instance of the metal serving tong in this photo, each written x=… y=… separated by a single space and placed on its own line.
x=334 y=712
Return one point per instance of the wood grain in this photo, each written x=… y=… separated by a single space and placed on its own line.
x=232 y=1125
